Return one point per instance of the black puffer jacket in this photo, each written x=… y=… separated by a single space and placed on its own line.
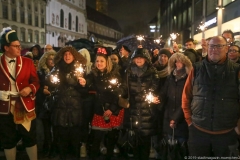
x=141 y=115
x=68 y=111
x=106 y=97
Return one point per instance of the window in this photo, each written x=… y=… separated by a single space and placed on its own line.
x=14 y=14
x=29 y=18
x=22 y=17
x=30 y=37
x=76 y=24
x=61 y=18
x=69 y=21
x=22 y=35
x=5 y=11
x=42 y=38
x=21 y=4
x=36 y=21
x=13 y=1
x=29 y=6
x=42 y=22
x=36 y=9
x=36 y=37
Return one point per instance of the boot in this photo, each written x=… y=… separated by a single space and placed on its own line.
x=10 y=153
x=32 y=152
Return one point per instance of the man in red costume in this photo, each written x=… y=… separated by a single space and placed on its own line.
x=18 y=85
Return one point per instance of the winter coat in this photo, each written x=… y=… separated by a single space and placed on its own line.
x=141 y=116
x=106 y=98
x=68 y=110
x=42 y=71
x=171 y=97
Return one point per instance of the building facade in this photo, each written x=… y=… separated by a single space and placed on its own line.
x=220 y=15
x=66 y=20
x=27 y=17
x=175 y=17
x=102 y=29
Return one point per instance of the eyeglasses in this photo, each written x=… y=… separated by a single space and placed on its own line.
x=217 y=46
x=17 y=46
x=232 y=50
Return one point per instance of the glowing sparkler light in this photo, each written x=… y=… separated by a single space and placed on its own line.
x=113 y=81
x=55 y=79
x=149 y=97
x=173 y=36
x=202 y=27
x=79 y=70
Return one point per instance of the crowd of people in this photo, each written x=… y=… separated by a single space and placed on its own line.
x=191 y=97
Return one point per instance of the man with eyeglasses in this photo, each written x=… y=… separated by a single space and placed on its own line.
x=228 y=34
x=233 y=53
x=19 y=84
x=210 y=102
x=47 y=48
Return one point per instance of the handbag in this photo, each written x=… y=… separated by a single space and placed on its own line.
x=124 y=102
x=127 y=137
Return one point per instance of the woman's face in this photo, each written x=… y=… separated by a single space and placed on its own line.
x=49 y=62
x=68 y=57
x=114 y=58
x=179 y=65
x=233 y=53
x=35 y=51
x=101 y=63
x=139 y=61
x=163 y=59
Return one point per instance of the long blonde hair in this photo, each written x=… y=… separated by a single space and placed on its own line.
x=109 y=64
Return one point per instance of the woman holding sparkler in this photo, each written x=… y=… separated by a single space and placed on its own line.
x=67 y=119
x=108 y=116
x=171 y=98
x=141 y=116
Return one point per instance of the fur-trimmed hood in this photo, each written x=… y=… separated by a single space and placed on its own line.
x=77 y=57
x=182 y=58
x=42 y=62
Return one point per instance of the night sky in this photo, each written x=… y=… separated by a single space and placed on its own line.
x=132 y=15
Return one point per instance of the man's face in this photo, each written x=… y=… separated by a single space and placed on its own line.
x=228 y=37
x=190 y=45
x=13 y=50
x=217 y=49
x=163 y=59
x=47 y=48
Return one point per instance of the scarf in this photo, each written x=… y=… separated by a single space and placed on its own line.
x=181 y=73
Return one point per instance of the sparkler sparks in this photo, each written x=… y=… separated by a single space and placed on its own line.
x=55 y=79
x=149 y=97
x=79 y=70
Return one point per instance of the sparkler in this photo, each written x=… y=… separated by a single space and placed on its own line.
x=79 y=70
x=55 y=79
x=202 y=27
x=140 y=38
x=113 y=82
x=173 y=36
x=149 y=97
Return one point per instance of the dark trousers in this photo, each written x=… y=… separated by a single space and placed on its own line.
x=111 y=139
x=67 y=136
x=204 y=144
x=142 y=150
x=11 y=133
x=47 y=127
